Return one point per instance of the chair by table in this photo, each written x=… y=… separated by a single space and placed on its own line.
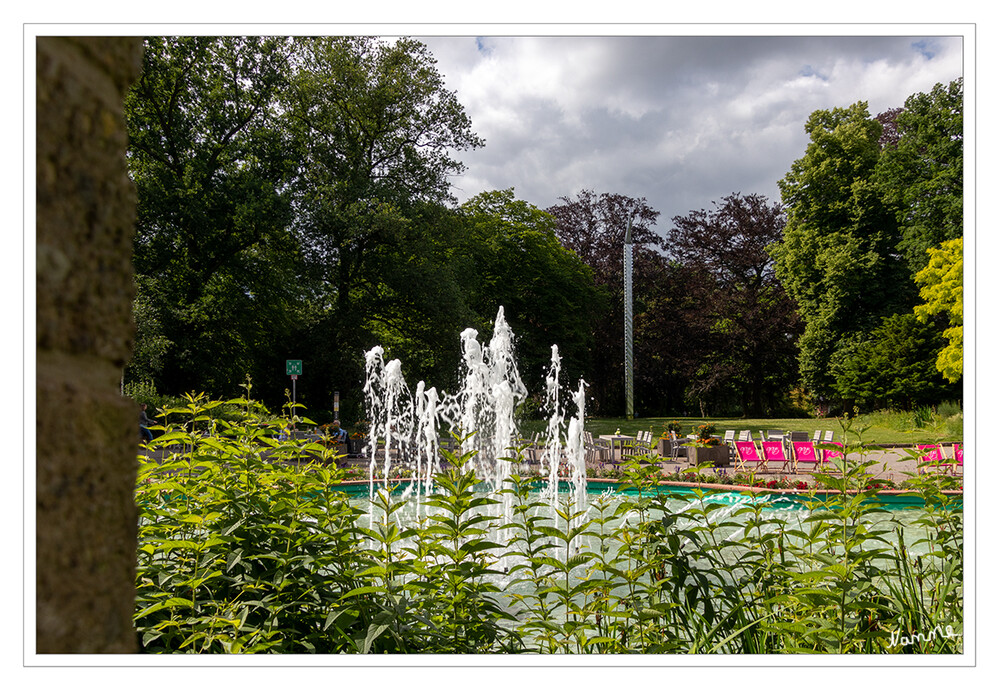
x=618 y=442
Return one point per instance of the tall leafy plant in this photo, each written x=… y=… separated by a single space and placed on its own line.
x=248 y=545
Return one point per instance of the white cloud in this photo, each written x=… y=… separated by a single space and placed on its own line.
x=681 y=120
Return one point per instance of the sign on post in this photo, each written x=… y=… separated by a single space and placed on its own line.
x=293 y=368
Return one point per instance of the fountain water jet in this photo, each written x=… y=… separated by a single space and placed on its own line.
x=406 y=427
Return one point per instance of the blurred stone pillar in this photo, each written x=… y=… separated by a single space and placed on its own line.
x=87 y=433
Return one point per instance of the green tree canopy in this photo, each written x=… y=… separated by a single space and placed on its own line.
x=377 y=132
x=548 y=294
x=921 y=174
x=942 y=289
x=837 y=259
x=747 y=340
x=892 y=367
x=212 y=167
x=293 y=204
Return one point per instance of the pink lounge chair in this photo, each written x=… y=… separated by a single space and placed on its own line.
x=746 y=454
x=958 y=459
x=804 y=454
x=830 y=453
x=773 y=451
x=934 y=457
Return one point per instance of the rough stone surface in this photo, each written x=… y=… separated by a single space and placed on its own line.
x=86 y=432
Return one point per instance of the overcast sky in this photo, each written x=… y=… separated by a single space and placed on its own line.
x=681 y=120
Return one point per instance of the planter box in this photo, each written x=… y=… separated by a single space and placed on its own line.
x=665 y=447
x=716 y=455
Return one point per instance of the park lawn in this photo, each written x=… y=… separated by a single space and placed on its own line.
x=942 y=432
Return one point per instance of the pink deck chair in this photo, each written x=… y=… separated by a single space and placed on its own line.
x=804 y=454
x=748 y=457
x=831 y=453
x=934 y=456
x=958 y=459
x=773 y=451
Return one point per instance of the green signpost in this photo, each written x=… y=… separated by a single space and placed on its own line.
x=293 y=368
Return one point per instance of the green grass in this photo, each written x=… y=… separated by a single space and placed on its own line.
x=885 y=427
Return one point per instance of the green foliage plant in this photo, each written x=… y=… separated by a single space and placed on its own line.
x=237 y=551
x=847 y=555
x=928 y=591
x=248 y=544
x=530 y=542
x=471 y=613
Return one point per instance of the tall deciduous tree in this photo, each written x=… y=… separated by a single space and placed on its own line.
x=838 y=258
x=670 y=338
x=293 y=203
x=514 y=260
x=893 y=366
x=211 y=167
x=921 y=172
x=749 y=324
x=942 y=289
x=593 y=226
x=377 y=132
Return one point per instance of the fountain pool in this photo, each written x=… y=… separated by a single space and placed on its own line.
x=481 y=417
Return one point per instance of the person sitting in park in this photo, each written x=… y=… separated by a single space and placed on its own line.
x=337 y=433
x=287 y=431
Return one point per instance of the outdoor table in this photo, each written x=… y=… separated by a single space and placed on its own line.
x=617 y=443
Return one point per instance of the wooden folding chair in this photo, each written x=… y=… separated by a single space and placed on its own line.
x=804 y=456
x=773 y=451
x=932 y=458
x=958 y=458
x=829 y=454
x=748 y=454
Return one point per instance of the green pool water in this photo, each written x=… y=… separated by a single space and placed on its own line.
x=771 y=500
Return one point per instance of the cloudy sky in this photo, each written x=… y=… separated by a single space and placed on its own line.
x=679 y=120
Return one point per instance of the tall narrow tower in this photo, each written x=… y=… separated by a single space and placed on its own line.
x=629 y=363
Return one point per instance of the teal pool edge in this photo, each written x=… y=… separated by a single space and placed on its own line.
x=777 y=498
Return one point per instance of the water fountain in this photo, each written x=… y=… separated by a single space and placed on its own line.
x=405 y=427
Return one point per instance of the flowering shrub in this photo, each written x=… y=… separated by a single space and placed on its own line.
x=705 y=436
x=671 y=427
x=704 y=431
x=782 y=483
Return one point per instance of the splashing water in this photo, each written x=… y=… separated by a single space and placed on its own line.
x=406 y=427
